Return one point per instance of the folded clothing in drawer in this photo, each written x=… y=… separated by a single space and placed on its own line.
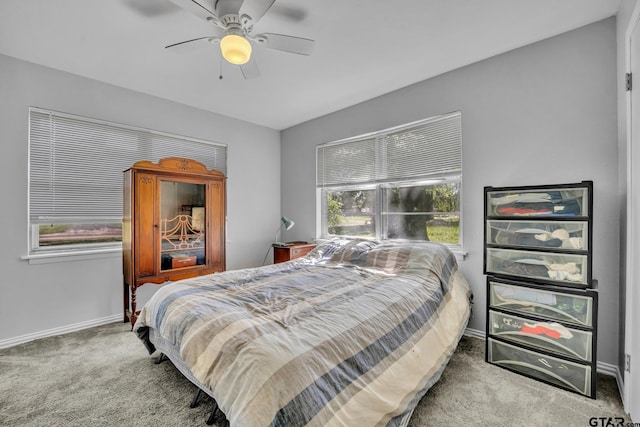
x=548 y=336
x=567 y=268
x=554 y=305
x=538 y=234
x=537 y=202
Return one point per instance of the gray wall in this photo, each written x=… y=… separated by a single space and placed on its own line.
x=541 y=114
x=42 y=297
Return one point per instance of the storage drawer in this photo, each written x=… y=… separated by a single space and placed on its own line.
x=578 y=309
x=298 y=251
x=571 y=235
x=563 y=268
x=538 y=202
x=544 y=335
x=572 y=376
x=291 y=250
x=183 y=261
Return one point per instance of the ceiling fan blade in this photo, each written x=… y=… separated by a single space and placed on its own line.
x=291 y=44
x=290 y=13
x=250 y=69
x=149 y=8
x=252 y=10
x=193 y=44
x=200 y=8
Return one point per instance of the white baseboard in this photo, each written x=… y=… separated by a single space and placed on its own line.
x=608 y=369
x=60 y=330
x=474 y=333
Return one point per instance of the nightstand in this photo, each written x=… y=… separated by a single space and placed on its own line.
x=291 y=250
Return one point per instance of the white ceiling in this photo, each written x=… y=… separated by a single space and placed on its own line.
x=363 y=48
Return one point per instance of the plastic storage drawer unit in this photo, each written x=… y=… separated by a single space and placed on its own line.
x=555 y=235
x=563 y=306
x=547 y=336
x=553 y=201
x=562 y=373
x=566 y=269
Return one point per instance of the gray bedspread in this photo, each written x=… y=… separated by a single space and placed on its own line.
x=353 y=334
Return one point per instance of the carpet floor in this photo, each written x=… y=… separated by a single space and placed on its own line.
x=103 y=376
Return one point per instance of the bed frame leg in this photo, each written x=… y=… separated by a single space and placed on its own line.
x=217 y=417
x=212 y=416
x=194 y=401
x=161 y=358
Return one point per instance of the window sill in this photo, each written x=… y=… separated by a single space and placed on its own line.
x=52 y=257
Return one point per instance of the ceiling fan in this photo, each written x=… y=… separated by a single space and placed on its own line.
x=234 y=21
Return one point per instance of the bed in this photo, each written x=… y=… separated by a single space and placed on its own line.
x=353 y=333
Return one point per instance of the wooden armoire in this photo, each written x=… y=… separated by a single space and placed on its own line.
x=173 y=224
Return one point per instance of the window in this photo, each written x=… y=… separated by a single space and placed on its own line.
x=401 y=183
x=75 y=176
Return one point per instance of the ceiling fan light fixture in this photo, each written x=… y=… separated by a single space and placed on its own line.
x=235 y=49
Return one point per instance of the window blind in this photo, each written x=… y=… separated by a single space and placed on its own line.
x=421 y=150
x=352 y=162
x=76 y=164
x=430 y=149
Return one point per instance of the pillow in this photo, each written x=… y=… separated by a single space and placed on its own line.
x=387 y=256
x=416 y=258
x=354 y=251
x=341 y=250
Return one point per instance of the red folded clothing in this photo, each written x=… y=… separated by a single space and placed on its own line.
x=553 y=330
x=511 y=210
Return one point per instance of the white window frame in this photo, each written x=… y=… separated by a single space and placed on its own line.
x=444 y=167
x=81 y=137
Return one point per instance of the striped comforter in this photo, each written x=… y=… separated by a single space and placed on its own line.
x=352 y=334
